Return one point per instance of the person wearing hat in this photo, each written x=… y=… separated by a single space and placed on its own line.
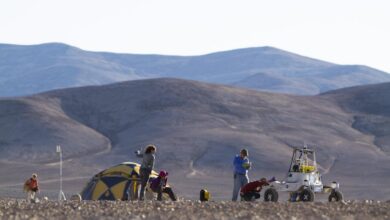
x=241 y=166
x=159 y=186
x=31 y=187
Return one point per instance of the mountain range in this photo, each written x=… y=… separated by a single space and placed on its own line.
x=198 y=128
x=31 y=69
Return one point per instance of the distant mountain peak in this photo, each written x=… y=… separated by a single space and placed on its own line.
x=31 y=69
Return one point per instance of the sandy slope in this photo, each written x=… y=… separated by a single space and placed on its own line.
x=198 y=128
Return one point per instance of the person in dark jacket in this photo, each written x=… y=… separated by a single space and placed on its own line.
x=159 y=186
x=251 y=191
x=148 y=158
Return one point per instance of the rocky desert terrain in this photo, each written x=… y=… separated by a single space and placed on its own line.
x=19 y=209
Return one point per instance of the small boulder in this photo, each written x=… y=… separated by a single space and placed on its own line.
x=76 y=197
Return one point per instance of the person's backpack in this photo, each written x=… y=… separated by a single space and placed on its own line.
x=26 y=186
x=204 y=195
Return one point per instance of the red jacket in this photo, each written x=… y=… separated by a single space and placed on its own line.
x=32 y=184
x=254 y=186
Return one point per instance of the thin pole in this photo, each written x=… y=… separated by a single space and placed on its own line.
x=61 y=194
x=60 y=175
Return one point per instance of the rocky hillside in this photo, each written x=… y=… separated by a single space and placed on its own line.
x=198 y=128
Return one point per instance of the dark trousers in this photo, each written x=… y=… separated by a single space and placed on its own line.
x=167 y=190
x=250 y=196
x=144 y=175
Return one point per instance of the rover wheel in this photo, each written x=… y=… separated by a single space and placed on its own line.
x=306 y=196
x=335 y=196
x=271 y=195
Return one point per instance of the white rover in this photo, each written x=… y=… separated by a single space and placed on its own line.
x=303 y=180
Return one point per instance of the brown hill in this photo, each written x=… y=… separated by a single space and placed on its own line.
x=371 y=108
x=198 y=128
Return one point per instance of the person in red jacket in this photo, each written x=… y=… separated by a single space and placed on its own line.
x=31 y=187
x=159 y=186
x=251 y=191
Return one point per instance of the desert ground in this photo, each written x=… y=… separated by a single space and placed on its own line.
x=186 y=209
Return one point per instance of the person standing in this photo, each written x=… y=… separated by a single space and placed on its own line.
x=31 y=187
x=147 y=165
x=241 y=166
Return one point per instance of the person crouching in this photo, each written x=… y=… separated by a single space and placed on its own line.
x=31 y=187
x=251 y=191
x=159 y=186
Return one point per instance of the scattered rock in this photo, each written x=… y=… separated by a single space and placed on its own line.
x=18 y=209
x=76 y=197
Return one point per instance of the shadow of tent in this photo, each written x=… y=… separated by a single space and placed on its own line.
x=120 y=182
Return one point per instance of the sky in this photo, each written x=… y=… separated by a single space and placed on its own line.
x=339 y=31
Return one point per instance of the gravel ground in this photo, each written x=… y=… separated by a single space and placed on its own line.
x=19 y=209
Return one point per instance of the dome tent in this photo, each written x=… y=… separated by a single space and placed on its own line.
x=115 y=183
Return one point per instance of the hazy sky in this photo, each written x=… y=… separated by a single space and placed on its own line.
x=340 y=31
